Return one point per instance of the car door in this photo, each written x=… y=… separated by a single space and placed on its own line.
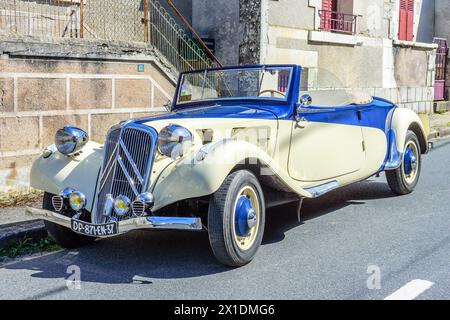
x=326 y=143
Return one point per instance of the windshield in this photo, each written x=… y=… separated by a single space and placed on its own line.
x=270 y=83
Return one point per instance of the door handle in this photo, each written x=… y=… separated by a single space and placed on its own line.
x=300 y=118
x=300 y=122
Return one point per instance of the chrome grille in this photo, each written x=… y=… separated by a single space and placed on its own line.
x=127 y=164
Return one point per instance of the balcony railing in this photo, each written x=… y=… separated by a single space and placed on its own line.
x=337 y=22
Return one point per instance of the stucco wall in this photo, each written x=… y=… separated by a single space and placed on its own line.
x=291 y=13
x=442 y=22
x=368 y=61
x=290 y=33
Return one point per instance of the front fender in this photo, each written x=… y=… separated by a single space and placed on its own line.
x=60 y=171
x=192 y=178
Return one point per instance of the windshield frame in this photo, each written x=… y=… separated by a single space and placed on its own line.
x=177 y=105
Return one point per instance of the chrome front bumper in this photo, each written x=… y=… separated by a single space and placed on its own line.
x=155 y=223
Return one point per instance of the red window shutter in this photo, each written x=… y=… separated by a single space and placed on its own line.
x=410 y=21
x=406 y=22
x=403 y=22
x=326 y=15
x=327 y=6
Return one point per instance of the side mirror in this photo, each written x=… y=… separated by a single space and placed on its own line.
x=305 y=101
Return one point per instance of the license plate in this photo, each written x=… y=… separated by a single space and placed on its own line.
x=95 y=230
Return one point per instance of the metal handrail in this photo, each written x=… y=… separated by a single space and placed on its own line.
x=337 y=21
x=181 y=47
x=173 y=42
x=189 y=27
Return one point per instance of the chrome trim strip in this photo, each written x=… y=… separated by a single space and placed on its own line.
x=130 y=159
x=103 y=176
x=317 y=191
x=151 y=157
x=107 y=167
x=175 y=223
x=312 y=111
x=127 y=175
x=152 y=223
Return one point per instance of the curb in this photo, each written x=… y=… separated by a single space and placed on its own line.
x=439 y=133
x=13 y=232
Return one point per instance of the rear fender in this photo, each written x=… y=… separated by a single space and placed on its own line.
x=403 y=120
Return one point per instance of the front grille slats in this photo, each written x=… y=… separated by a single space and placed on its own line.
x=138 y=208
x=140 y=143
x=58 y=203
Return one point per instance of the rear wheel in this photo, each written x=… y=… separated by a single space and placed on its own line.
x=63 y=236
x=404 y=179
x=236 y=219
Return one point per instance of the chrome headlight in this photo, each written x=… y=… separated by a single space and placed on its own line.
x=70 y=139
x=122 y=205
x=174 y=141
x=77 y=201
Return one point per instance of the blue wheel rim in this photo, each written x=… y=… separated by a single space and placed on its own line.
x=246 y=216
x=410 y=162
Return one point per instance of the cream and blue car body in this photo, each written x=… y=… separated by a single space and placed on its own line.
x=301 y=143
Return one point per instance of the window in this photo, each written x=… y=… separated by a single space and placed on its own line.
x=406 y=23
x=337 y=16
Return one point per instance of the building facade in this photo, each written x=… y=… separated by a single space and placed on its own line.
x=383 y=47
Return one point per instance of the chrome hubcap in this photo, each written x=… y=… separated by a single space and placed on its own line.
x=410 y=162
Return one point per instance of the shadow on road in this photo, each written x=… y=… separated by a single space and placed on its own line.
x=284 y=218
x=142 y=256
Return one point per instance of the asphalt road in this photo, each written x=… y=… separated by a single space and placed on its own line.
x=353 y=237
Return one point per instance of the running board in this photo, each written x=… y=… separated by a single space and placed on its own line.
x=317 y=191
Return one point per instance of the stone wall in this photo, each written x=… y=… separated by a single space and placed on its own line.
x=39 y=94
x=234 y=24
x=250 y=16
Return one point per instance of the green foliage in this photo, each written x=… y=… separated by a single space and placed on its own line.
x=27 y=246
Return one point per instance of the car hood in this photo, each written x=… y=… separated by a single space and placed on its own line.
x=216 y=123
x=214 y=111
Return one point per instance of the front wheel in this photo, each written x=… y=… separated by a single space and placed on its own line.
x=404 y=179
x=236 y=219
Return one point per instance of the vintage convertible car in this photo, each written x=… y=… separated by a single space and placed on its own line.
x=236 y=141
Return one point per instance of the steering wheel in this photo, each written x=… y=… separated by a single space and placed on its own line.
x=272 y=92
